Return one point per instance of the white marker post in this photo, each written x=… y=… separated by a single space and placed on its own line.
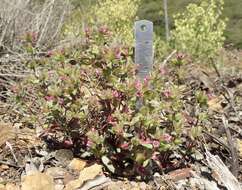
x=144 y=53
x=144 y=47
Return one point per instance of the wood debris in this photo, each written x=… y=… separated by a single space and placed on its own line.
x=222 y=172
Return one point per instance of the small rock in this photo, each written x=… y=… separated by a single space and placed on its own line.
x=7 y=133
x=59 y=182
x=30 y=168
x=67 y=178
x=181 y=184
x=1 y=180
x=64 y=156
x=203 y=184
x=4 y=167
x=18 y=125
x=11 y=186
x=180 y=174
x=86 y=174
x=115 y=186
x=134 y=184
x=77 y=164
x=143 y=186
x=56 y=172
x=157 y=174
x=2 y=187
x=205 y=169
x=197 y=156
x=38 y=181
x=59 y=187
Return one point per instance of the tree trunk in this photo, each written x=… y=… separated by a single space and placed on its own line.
x=166 y=20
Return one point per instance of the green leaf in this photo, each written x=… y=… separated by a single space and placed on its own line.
x=149 y=146
x=146 y=162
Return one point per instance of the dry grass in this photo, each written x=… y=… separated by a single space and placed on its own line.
x=45 y=19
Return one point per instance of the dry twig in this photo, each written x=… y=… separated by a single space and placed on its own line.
x=234 y=159
x=222 y=172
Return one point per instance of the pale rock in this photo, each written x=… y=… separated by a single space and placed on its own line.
x=59 y=181
x=1 y=180
x=4 y=167
x=77 y=164
x=11 y=186
x=56 y=172
x=38 y=181
x=135 y=188
x=64 y=156
x=2 y=187
x=7 y=133
x=67 y=178
x=88 y=173
x=59 y=187
x=143 y=186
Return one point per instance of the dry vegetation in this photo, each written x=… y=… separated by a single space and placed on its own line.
x=28 y=28
x=19 y=17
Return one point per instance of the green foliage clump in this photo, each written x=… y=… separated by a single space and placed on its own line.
x=119 y=16
x=199 y=30
x=90 y=94
x=161 y=49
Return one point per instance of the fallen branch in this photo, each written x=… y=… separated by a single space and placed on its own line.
x=169 y=57
x=10 y=164
x=234 y=159
x=12 y=75
x=222 y=172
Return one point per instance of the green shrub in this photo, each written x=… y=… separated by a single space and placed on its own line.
x=119 y=16
x=90 y=95
x=161 y=49
x=80 y=16
x=199 y=30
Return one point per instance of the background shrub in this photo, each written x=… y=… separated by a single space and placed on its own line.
x=119 y=16
x=199 y=29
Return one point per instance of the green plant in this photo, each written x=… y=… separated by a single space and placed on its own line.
x=89 y=94
x=119 y=16
x=161 y=49
x=80 y=16
x=199 y=30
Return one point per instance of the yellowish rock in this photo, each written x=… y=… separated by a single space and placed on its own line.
x=215 y=104
x=38 y=181
x=72 y=185
x=86 y=174
x=56 y=172
x=59 y=187
x=6 y=133
x=90 y=172
x=11 y=186
x=4 y=167
x=77 y=164
x=2 y=187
